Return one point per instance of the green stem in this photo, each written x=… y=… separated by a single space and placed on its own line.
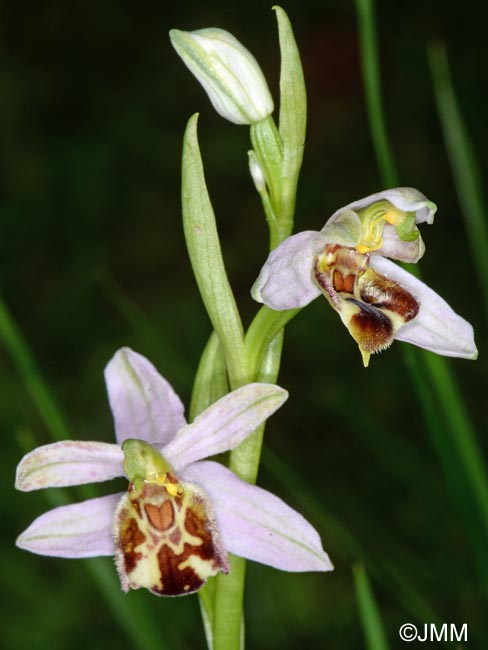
x=244 y=462
x=279 y=154
x=228 y=622
x=277 y=233
x=262 y=331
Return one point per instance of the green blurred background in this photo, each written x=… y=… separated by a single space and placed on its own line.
x=93 y=104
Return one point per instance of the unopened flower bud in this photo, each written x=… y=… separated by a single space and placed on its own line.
x=229 y=73
x=256 y=173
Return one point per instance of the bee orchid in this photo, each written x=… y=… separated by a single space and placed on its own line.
x=182 y=514
x=377 y=300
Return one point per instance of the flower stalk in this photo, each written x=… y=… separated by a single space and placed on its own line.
x=274 y=164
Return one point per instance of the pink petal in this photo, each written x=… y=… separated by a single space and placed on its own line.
x=225 y=424
x=437 y=327
x=257 y=525
x=74 y=531
x=71 y=462
x=143 y=403
x=397 y=249
x=285 y=281
x=407 y=199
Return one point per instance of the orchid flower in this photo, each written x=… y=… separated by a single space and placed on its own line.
x=377 y=300
x=182 y=514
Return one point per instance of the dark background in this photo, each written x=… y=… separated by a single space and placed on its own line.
x=93 y=104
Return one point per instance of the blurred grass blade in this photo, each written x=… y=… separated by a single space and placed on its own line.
x=467 y=480
x=461 y=458
x=16 y=346
x=448 y=422
x=131 y=617
x=465 y=170
x=139 y=627
x=465 y=443
x=172 y=364
x=372 y=88
x=131 y=614
x=369 y=613
x=340 y=538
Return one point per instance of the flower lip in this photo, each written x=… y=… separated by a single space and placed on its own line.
x=371 y=306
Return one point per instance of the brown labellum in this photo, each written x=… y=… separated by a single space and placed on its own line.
x=371 y=306
x=167 y=543
x=370 y=328
x=384 y=293
x=336 y=272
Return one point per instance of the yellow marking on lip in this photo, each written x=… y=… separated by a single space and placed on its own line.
x=172 y=488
